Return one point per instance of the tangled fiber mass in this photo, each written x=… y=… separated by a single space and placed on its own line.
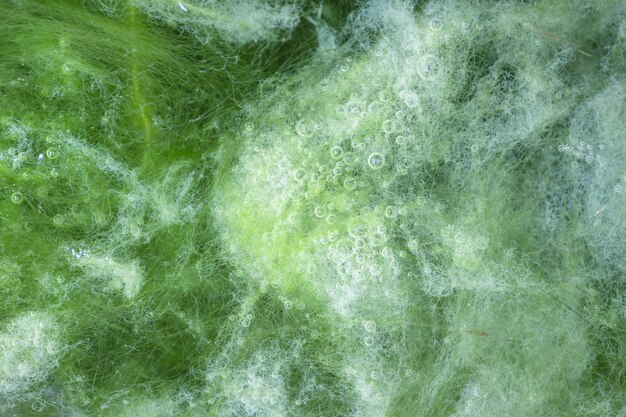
x=352 y=208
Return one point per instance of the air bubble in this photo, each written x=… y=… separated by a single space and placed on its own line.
x=17 y=197
x=58 y=219
x=52 y=153
x=561 y=148
x=350 y=183
x=400 y=140
x=435 y=24
x=249 y=126
x=288 y=305
x=336 y=152
x=474 y=148
x=331 y=219
x=370 y=326
x=574 y=164
x=412 y=100
x=589 y=159
x=389 y=126
x=67 y=69
x=428 y=66
x=299 y=174
x=320 y=211
x=374 y=375
x=391 y=212
x=303 y=129
x=376 y=160
x=368 y=341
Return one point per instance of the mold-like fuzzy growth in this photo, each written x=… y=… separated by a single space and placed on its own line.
x=31 y=346
x=268 y=208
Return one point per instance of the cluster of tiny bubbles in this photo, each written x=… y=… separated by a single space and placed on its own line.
x=17 y=197
x=582 y=152
x=376 y=160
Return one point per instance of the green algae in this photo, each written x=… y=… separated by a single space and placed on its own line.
x=292 y=208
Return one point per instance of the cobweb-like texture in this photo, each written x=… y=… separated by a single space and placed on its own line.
x=268 y=208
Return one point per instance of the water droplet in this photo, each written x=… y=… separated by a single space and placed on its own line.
x=336 y=152
x=376 y=160
x=17 y=197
